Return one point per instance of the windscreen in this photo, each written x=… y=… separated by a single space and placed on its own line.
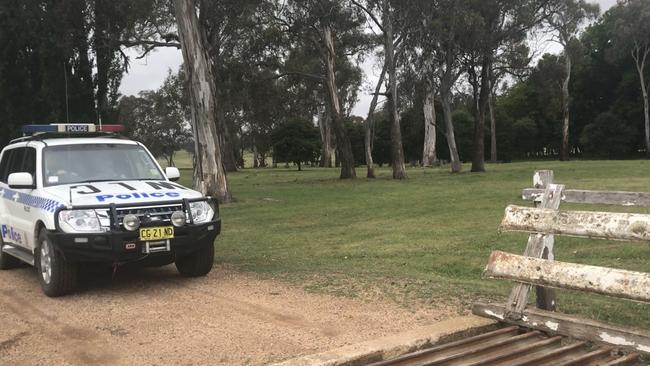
x=85 y=163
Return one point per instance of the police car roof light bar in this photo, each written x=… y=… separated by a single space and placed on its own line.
x=72 y=128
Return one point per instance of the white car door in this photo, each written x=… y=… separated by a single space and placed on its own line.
x=15 y=221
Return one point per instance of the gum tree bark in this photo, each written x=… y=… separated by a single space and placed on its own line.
x=429 y=155
x=478 y=160
x=399 y=169
x=640 y=56
x=370 y=124
x=493 y=131
x=325 y=126
x=566 y=101
x=210 y=175
x=344 y=148
x=446 y=83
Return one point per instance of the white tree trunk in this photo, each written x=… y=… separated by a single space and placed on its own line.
x=370 y=122
x=325 y=126
x=566 y=101
x=446 y=83
x=429 y=156
x=344 y=148
x=640 y=57
x=209 y=170
x=399 y=169
x=493 y=131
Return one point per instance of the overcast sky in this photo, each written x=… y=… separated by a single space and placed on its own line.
x=149 y=73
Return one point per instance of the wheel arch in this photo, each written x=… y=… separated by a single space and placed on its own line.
x=40 y=225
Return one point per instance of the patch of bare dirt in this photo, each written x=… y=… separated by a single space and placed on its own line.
x=156 y=317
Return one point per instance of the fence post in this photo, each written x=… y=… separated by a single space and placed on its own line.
x=545 y=296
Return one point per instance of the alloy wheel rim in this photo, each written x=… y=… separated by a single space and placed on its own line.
x=46 y=262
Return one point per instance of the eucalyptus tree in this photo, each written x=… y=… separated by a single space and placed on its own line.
x=493 y=26
x=209 y=173
x=632 y=37
x=335 y=33
x=238 y=41
x=566 y=19
x=383 y=15
x=369 y=126
x=437 y=37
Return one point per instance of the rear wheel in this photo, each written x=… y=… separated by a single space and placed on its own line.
x=57 y=276
x=196 y=264
x=6 y=260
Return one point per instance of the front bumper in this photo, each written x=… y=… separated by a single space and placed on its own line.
x=111 y=247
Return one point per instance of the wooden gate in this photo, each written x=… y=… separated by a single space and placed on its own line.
x=538 y=268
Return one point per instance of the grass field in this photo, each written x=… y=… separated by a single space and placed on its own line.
x=420 y=241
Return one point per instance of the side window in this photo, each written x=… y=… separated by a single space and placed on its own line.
x=4 y=165
x=16 y=161
x=29 y=162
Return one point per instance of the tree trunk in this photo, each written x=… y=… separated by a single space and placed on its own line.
x=564 y=148
x=325 y=126
x=493 y=131
x=399 y=170
x=370 y=124
x=227 y=145
x=640 y=61
x=478 y=160
x=211 y=175
x=429 y=156
x=456 y=165
x=255 y=156
x=344 y=148
x=446 y=83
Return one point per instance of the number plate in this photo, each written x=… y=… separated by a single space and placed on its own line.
x=156 y=233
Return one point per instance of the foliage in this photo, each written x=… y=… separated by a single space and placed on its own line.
x=159 y=119
x=607 y=137
x=296 y=141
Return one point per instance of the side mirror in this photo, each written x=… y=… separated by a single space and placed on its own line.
x=21 y=181
x=172 y=173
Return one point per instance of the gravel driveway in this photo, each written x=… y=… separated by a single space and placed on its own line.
x=156 y=317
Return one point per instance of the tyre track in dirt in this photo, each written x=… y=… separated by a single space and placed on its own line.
x=154 y=317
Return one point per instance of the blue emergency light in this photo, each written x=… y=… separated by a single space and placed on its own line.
x=76 y=128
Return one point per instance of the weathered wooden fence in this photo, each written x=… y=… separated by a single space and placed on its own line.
x=538 y=268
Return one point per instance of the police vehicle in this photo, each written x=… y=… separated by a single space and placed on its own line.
x=79 y=193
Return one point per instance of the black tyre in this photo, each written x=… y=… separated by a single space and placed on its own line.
x=7 y=261
x=57 y=276
x=198 y=263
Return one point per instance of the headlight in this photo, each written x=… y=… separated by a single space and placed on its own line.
x=201 y=212
x=79 y=221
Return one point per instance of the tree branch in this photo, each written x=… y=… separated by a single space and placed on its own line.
x=370 y=14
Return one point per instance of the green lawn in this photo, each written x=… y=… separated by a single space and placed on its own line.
x=420 y=241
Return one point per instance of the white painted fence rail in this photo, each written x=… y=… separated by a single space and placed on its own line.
x=589 y=224
x=602 y=280
x=595 y=197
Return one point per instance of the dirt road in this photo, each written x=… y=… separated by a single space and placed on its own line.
x=156 y=317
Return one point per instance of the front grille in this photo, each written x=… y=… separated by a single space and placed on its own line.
x=150 y=215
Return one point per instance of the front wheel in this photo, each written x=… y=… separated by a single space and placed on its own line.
x=196 y=264
x=57 y=276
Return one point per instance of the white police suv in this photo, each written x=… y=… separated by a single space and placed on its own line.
x=78 y=193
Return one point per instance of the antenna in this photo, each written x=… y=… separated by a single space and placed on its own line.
x=67 y=108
